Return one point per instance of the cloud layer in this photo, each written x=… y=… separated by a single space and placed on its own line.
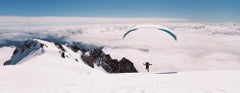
x=200 y=46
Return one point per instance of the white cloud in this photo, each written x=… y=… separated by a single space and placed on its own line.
x=200 y=46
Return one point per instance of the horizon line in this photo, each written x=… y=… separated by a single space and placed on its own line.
x=85 y=19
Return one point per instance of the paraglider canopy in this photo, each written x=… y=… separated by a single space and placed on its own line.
x=160 y=28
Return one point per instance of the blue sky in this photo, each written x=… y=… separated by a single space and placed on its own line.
x=224 y=10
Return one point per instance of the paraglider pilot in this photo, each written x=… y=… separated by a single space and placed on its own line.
x=147 y=64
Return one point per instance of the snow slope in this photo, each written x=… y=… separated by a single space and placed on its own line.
x=27 y=79
x=52 y=57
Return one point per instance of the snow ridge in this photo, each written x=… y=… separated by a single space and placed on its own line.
x=31 y=48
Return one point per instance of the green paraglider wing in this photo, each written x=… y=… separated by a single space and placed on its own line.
x=129 y=32
x=170 y=33
x=164 y=30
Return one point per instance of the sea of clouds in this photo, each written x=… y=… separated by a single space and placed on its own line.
x=200 y=45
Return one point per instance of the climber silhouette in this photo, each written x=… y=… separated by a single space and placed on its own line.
x=147 y=64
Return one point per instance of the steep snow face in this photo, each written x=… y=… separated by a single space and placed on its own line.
x=36 y=47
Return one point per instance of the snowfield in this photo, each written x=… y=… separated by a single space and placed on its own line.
x=204 y=59
x=28 y=79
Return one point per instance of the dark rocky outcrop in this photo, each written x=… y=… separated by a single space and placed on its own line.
x=59 y=46
x=126 y=65
x=88 y=60
x=8 y=62
x=76 y=49
x=98 y=57
x=62 y=50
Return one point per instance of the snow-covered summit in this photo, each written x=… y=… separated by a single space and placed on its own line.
x=29 y=49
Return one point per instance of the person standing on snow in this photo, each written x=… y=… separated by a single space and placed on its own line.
x=147 y=64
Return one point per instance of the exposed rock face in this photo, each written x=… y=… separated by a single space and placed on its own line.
x=98 y=57
x=62 y=50
x=27 y=48
x=88 y=60
x=76 y=49
x=126 y=65
x=59 y=46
